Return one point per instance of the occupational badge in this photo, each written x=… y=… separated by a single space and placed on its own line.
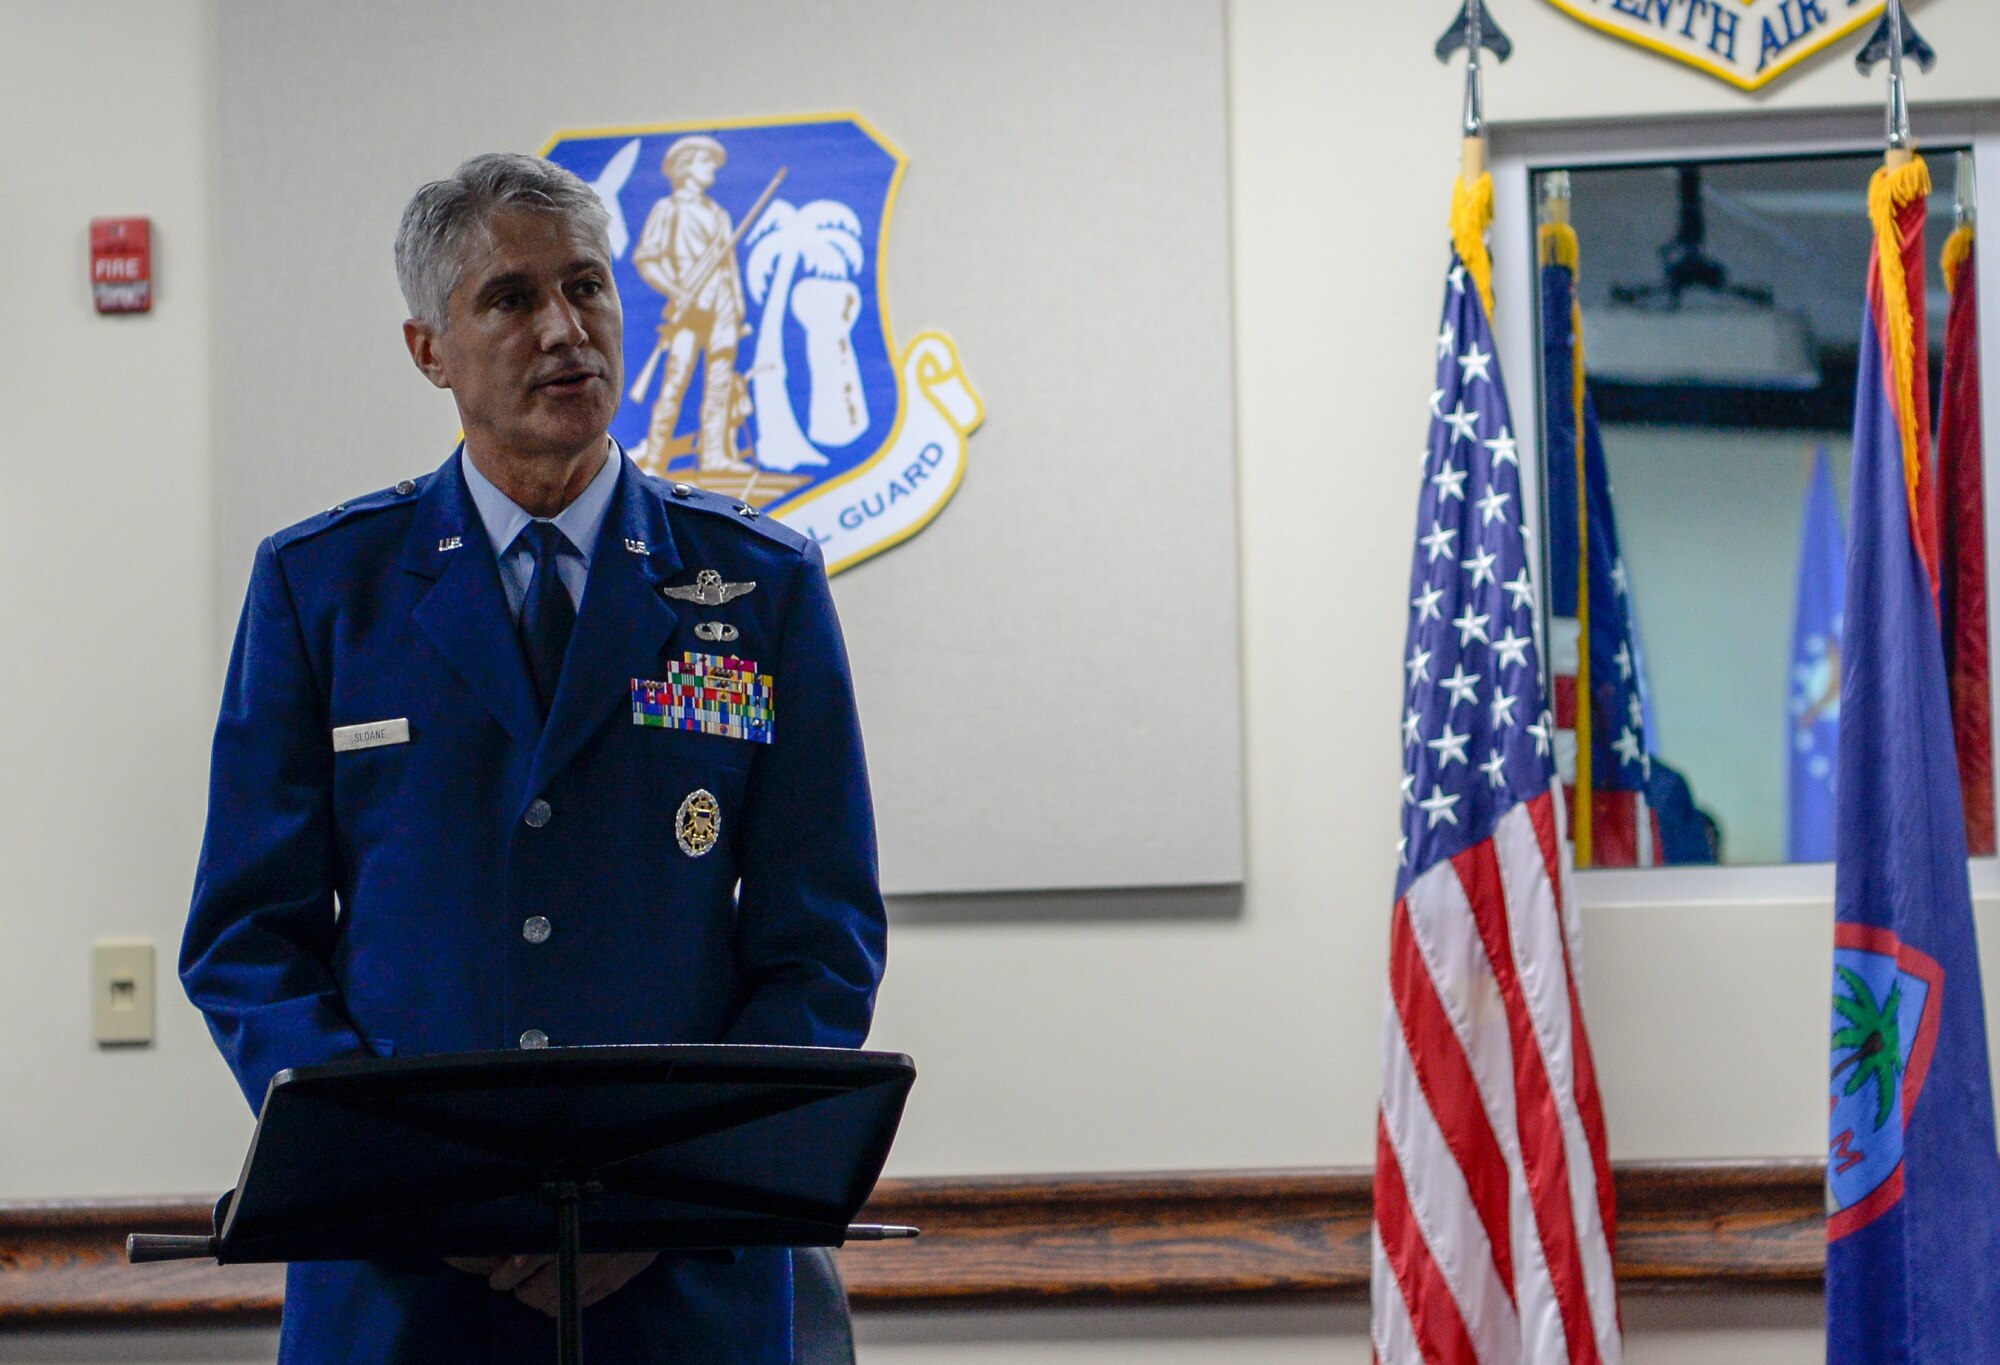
x=772 y=377
x=698 y=823
x=708 y=590
x=1748 y=43
x=716 y=631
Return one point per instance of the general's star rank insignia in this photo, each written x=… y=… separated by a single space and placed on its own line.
x=698 y=823
x=709 y=590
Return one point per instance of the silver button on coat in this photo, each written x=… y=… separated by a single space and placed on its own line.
x=533 y=1039
x=538 y=814
x=537 y=929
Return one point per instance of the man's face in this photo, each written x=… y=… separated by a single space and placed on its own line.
x=533 y=347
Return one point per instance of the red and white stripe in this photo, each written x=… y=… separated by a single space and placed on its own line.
x=1493 y=1204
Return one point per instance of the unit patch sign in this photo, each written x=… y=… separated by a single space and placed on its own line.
x=1745 y=42
x=759 y=362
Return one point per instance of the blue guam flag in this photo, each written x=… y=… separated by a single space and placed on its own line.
x=759 y=360
x=1913 y=1228
x=1812 y=711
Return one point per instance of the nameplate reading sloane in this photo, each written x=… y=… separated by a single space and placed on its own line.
x=372 y=735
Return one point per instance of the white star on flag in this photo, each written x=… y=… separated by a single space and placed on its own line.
x=1463 y=686
x=1447 y=339
x=1540 y=730
x=1411 y=720
x=1626 y=746
x=1493 y=506
x=1438 y=806
x=1623 y=658
x=1450 y=484
x=1471 y=626
x=1438 y=542
x=1502 y=446
x=1481 y=567
x=1449 y=745
x=1463 y=424
x=1495 y=768
x=1503 y=709
x=1512 y=649
x=1426 y=604
x=1419 y=666
x=1521 y=590
x=1473 y=365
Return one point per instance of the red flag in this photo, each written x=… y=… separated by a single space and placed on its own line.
x=1964 y=549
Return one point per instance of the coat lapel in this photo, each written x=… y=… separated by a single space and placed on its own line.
x=622 y=626
x=465 y=612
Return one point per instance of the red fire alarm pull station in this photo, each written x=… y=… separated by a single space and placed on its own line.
x=121 y=264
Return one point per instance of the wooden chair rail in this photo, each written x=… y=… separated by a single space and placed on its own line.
x=1018 y=1241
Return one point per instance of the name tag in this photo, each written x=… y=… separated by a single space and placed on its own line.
x=372 y=735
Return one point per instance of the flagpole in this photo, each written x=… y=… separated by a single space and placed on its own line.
x=1472 y=149
x=1901 y=149
x=1558 y=247
x=1895 y=38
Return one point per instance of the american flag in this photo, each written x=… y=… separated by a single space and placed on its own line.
x=1493 y=1200
x=1624 y=829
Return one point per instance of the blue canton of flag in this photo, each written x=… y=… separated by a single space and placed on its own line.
x=1812 y=717
x=1477 y=737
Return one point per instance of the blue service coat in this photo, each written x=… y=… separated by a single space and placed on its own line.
x=373 y=902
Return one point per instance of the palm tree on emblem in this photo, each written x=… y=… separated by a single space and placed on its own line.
x=821 y=241
x=1873 y=1034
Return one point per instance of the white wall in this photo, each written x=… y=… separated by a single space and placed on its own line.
x=108 y=674
x=1131 y=1034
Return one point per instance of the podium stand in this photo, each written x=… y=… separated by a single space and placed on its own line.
x=560 y=1151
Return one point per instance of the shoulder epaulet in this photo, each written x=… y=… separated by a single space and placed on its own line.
x=691 y=498
x=403 y=494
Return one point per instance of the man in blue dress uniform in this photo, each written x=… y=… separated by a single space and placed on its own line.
x=533 y=751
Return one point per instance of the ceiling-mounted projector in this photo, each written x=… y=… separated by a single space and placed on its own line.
x=1695 y=327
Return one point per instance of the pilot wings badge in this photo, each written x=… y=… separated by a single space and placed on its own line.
x=772 y=376
x=709 y=590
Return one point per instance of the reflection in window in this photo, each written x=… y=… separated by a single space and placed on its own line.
x=1699 y=328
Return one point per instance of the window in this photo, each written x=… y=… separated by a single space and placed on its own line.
x=1717 y=300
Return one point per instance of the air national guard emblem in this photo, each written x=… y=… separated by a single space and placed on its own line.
x=698 y=823
x=1745 y=42
x=1886 y=1007
x=757 y=341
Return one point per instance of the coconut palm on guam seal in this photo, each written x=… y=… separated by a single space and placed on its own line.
x=757 y=340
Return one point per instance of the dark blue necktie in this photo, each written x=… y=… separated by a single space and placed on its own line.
x=547 y=614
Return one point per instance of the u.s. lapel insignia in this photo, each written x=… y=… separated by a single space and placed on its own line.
x=450 y=543
x=716 y=631
x=709 y=590
x=698 y=823
x=637 y=547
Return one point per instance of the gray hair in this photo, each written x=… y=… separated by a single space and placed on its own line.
x=442 y=214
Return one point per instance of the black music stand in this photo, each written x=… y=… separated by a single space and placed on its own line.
x=563 y=1150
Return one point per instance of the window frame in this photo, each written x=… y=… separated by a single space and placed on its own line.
x=1521 y=150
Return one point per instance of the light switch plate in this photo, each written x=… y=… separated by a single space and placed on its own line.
x=121 y=991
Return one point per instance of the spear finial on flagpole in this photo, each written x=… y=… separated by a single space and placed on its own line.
x=1474 y=30
x=1895 y=38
